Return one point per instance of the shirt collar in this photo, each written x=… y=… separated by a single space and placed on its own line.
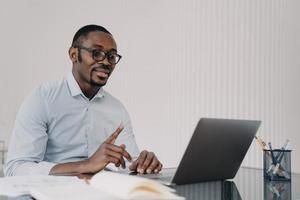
x=75 y=89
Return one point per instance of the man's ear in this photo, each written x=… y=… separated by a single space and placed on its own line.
x=73 y=54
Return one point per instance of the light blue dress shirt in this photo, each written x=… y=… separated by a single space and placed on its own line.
x=58 y=124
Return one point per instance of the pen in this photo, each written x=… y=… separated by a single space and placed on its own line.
x=278 y=160
x=261 y=143
x=272 y=158
x=278 y=163
x=272 y=153
x=284 y=147
x=264 y=147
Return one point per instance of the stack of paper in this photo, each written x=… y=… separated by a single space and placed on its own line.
x=104 y=185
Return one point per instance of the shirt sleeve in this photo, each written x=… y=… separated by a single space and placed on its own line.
x=29 y=138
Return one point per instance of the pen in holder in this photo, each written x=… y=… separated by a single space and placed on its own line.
x=277 y=164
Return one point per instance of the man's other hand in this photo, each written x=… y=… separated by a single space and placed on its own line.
x=147 y=162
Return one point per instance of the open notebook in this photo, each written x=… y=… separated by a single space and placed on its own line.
x=107 y=185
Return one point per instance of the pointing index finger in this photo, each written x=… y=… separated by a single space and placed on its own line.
x=112 y=138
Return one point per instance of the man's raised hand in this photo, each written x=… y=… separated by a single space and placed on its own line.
x=107 y=153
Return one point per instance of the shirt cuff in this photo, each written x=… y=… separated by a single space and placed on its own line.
x=30 y=168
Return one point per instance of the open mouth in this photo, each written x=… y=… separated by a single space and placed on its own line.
x=102 y=73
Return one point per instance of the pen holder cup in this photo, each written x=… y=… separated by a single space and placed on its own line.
x=277 y=165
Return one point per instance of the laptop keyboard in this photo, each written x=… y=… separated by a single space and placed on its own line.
x=166 y=178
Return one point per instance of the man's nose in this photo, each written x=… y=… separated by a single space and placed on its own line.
x=105 y=61
x=104 y=65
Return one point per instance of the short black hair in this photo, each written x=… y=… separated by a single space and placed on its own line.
x=85 y=30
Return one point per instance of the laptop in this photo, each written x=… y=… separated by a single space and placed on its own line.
x=215 y=152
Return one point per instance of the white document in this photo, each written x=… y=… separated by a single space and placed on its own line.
x=21 y=185
x=131 y=187
x=103 y=185
x=110 y=186
x=76 y=191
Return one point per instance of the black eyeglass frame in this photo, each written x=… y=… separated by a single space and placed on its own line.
x=92 y=51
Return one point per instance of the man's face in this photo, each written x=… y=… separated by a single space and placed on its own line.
x=90 y=72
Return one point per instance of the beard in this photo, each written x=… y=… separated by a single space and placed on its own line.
x=99 y=81
x=94 y=83
x=92 y=79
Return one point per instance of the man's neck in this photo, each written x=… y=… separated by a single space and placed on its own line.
x=87 y=89
x=90 y=93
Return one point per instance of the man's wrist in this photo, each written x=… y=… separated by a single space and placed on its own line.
x=73 y=167
x=83 y=166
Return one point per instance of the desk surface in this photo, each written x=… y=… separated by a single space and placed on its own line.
x=248 y=184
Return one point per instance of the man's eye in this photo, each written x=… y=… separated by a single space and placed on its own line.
x=98 y=54
x=112 y=56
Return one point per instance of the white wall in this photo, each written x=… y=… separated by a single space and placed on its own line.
x=182 y=60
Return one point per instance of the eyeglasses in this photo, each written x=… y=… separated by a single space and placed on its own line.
x=98 y=55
